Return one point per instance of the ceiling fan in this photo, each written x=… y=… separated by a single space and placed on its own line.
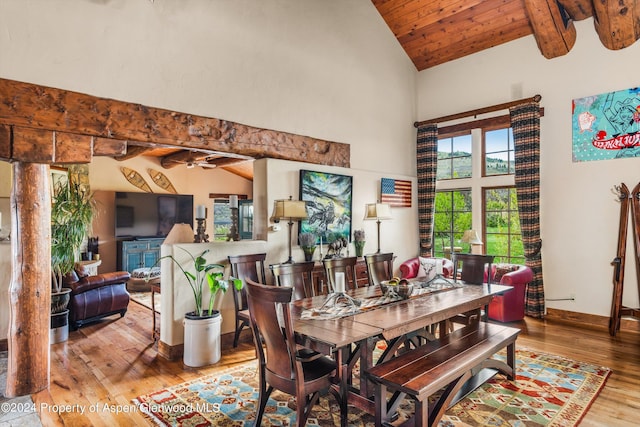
x=202 y=158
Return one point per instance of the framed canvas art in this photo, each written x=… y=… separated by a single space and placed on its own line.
x=328 y=198
x=606 y=126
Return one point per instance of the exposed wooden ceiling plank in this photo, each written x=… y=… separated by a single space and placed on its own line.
x=553 y=30
x=428 y=58
x=422 y=13
x=481 y=20
x=453 y=42
x=617 y=22
x=30 y=105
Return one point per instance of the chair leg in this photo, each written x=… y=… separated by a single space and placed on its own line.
x=304 y=404
x=236 y=335
x=263 y=398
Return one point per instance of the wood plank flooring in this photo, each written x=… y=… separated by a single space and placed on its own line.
x=110 y=363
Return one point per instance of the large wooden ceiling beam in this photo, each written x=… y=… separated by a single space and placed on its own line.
x=578 y=9
x=33 y=106
x=552 y=26
x=617 y=22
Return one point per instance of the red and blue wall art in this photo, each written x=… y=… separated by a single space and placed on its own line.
x=606 y=126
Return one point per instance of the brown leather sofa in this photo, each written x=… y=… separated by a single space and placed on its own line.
x=95 y=297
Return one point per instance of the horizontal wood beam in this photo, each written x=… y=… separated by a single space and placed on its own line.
x=33 y=106
x=45 y=146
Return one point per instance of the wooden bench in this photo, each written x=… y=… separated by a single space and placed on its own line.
x=445 y=364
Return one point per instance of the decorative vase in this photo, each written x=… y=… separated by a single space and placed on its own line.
x=308 y=252
x=359 y=248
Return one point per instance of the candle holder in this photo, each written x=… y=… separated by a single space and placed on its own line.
x=233 y=230
x=201 y=236
x=335 y=298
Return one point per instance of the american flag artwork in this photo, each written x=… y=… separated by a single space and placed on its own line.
x=395 y=192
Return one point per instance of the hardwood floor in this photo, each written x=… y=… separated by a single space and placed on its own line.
x=112 y=362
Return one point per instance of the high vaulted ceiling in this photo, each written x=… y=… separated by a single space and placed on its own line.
x=434 y=32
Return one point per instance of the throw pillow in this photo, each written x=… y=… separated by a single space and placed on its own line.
x=428 y=267
x=502 y=269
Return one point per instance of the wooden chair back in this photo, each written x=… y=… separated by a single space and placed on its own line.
x=280 y=362
x=344 y=265
x=245 y=267
x=379 y=267
x=472 y=268
x=297 y=276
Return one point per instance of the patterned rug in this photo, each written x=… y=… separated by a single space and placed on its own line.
x=549 y=391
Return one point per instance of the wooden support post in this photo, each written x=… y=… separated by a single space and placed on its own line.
x=30 y=288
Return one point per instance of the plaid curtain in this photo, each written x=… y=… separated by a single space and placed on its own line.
x=427 y=163
x=525 y=122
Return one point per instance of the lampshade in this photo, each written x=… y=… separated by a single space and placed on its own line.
x=471 y=237
x=180 y=233
x=377 y=211
x=289 y=209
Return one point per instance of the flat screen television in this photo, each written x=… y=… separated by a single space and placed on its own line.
x=147 y=215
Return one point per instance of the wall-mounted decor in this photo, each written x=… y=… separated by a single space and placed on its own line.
x=606 y=126
x=135 y=178
x=161 y=180
x=328 y=197
x=395 y=192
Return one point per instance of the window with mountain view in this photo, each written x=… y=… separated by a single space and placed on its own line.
x=475 y=189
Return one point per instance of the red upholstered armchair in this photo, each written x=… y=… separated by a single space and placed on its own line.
x=510 y=306
x=411 y=268
x=94 y=297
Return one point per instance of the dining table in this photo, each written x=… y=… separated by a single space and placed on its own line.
x=349 y=328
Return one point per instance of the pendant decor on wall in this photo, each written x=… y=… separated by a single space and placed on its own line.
x=606 y=126
x=161 y=180
x=136 y=179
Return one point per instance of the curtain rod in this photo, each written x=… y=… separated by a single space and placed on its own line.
x=496 y=107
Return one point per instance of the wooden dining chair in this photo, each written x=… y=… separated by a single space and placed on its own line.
x=379 y=267
x=280 y=366
x=473 y=269
x=344 y=265
x=245 y=267
x=297 y=276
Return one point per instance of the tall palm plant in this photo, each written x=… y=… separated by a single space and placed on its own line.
x=72 y=213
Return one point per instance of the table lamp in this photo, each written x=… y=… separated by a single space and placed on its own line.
x=379 y=212
x=471 y=237
x=289 y=210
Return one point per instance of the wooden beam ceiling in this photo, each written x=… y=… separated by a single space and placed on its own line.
x=433 y=32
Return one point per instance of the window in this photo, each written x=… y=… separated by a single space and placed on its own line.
x=499 y=152
x=454 y=157
x=221 y=219
x=502 y=225
x=475 y=189
x=452 y=217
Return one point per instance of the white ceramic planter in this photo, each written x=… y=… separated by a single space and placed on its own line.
x=202 y=340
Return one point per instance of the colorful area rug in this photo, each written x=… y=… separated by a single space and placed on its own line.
x=549 y=391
